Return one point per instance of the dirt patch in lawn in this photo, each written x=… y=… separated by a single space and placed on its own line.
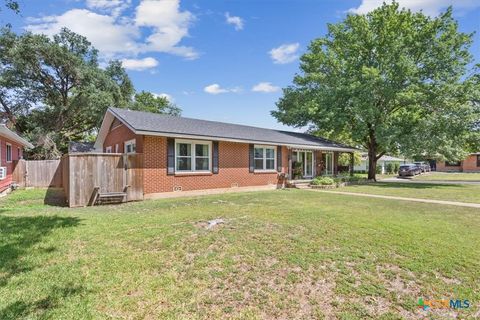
x=274 y=292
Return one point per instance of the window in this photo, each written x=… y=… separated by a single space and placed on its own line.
x=116 y=148
x=108 y=149
x=478 y=160
x=192 y=156
x=9 y=152
x=264 y=158
x=130 y=146
x=19 y=154
x=452 y=163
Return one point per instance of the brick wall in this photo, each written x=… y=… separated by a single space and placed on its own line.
x=467 y=165
x=441 y=166
x=233 y=169
x=470 y=164
x=3 y=160
x=118 y=135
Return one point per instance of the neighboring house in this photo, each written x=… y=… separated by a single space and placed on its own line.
x=189 y=154
x=383 y=162
x=11 y=149
x=470 y=164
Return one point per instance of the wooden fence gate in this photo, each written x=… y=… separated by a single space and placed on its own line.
x=83 y=172
x=38 y=173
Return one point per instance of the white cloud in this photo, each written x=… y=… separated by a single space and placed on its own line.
x=266 y=87
x=164 y=95
x=139 y=64
x=234 y=20
x=286 y=53
x=215 y=88
x=429 y=7
x=157 y=26
x=113 y=6
x=169 y=24
x=101 y=30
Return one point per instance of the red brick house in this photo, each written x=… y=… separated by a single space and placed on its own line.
x=183 y=154
x=470 y=164
x=11 y=149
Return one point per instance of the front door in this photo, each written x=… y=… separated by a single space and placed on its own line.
x=327 y=158
x=302 y=164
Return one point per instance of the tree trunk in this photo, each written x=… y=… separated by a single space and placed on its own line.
x=372 y=163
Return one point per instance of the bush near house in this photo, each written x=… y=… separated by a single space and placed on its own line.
x=396 y=167
x=392 y=167
x=323 y=181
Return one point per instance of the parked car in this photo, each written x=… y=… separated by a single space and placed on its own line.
x=410 y=169
x=425 y=167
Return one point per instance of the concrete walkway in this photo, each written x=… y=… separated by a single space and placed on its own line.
x=450 y=203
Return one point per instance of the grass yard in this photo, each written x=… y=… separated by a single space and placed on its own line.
x=285 y=254
x=448 y=176
x=449 y=192
x=378 y=176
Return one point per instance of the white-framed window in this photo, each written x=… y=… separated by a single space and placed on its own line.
x=9 y=153
x=108 y=149
x=193 y=156
x=265 y=158
x=116 y=148
x=3 y=173
x=130 y=146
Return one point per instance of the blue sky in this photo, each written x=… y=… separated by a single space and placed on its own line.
x=217 y=60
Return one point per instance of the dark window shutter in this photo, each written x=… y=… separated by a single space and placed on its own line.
x=215 y=157
x=251 y=167
x=170 y=156
x=279 y=158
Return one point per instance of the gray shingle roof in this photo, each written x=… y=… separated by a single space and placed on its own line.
x=160 y=123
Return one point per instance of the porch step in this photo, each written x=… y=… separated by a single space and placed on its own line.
x=299 y=184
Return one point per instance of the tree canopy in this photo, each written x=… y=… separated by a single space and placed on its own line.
x=53 y=90
x=147 y=101
x=390 y=81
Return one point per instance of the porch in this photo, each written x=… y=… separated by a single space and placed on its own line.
x=306 y=164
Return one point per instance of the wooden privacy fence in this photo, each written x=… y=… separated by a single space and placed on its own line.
x=38 y=173
x=83 y=172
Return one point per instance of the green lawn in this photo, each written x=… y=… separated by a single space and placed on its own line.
x=451 y=192
x=287 y=254
x=377 y=176
x=449 y=176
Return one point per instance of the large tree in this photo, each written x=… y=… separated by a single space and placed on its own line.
x=147 y=101
x=73 y=92
x=391 y=81
x=53 y=90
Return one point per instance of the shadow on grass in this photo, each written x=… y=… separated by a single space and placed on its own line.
x=21 y=309
x=55 y=197
x=19 y=235
x=407 y=185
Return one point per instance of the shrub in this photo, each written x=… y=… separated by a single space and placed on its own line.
x=323 y=181
x=396 y=167
x=390 y=168
x=378 y=169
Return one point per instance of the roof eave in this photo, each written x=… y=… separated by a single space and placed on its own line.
x=15 y=137
x=201 y=137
